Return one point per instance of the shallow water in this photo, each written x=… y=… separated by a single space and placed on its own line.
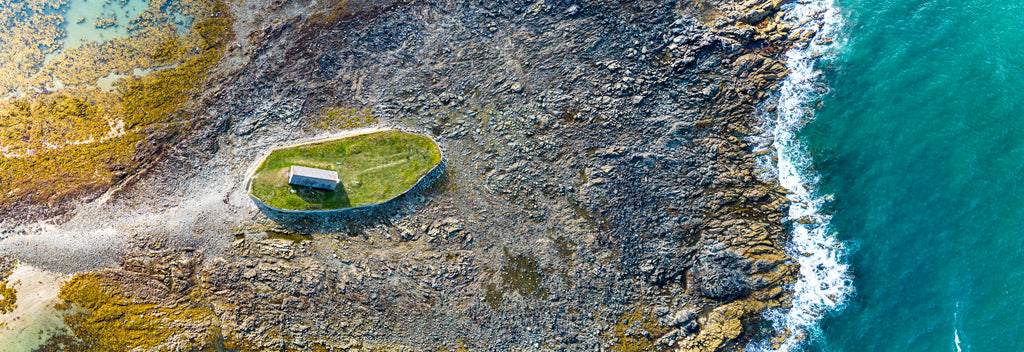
x=34 y=318
x=86 y=31
x=919 y=139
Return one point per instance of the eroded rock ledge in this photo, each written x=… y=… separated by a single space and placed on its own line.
x=600 y=191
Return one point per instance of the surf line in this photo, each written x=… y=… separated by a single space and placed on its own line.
x=824 y=283
x=956 y=330
x=956 y=339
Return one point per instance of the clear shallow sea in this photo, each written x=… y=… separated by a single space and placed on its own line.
x=90 y=10
x=920 y=139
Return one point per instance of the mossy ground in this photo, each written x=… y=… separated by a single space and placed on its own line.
x=373 y=168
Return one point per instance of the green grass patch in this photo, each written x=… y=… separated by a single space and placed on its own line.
x=373 y=168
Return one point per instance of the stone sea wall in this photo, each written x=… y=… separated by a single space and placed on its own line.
x=315 y=221
x=319 y=221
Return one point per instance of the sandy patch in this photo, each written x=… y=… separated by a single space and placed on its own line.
x=34 y=319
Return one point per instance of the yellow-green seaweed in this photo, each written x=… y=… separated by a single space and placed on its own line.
x=84 y=139
x=636 y=330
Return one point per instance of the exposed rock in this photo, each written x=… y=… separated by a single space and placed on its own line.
x=597 y=172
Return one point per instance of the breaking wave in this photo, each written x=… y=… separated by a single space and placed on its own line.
x=824 y=283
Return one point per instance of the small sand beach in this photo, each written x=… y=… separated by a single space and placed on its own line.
x=34 y=317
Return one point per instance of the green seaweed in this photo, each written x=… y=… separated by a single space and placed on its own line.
x=493 y=296
x=564 y=247
x=636 y=330
x=521 y=273
x=294 y=237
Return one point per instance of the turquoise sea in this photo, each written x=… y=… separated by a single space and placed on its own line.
x=915 y=138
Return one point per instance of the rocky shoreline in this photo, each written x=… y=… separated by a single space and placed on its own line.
x=599 y=194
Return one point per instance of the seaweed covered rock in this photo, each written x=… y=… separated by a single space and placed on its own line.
x=598 y=178
x=8 y=294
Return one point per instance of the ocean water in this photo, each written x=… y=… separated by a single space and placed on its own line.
x=80 y=18
x=81 y=15
x=906 y=139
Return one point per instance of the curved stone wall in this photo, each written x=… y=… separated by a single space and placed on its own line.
x=313 y=219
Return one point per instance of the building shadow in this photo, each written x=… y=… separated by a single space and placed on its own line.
x=338 y=198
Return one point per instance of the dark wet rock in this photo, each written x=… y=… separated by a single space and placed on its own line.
x=596 y=165
x=721 y=275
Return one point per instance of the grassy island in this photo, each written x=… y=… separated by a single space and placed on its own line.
x=372 y=168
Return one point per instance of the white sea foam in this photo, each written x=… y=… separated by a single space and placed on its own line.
x=956 y=340
x=824 y=283
x=956 y=331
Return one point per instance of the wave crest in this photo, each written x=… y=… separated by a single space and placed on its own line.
x=825 y=283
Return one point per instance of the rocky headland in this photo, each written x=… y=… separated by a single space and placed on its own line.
x=599 y=190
